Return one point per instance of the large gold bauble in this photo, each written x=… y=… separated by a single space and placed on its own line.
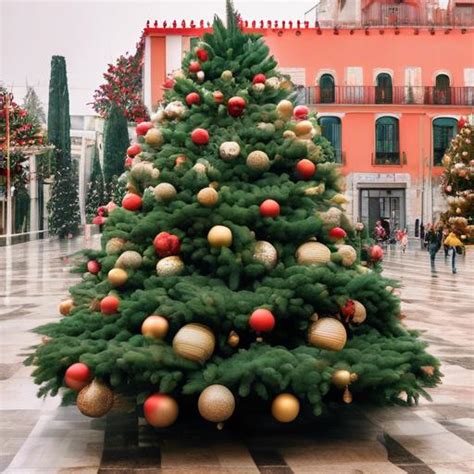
x=66 y=306
x=341 y=378
x=155 y=326
x=208 y=197
x=154 y=137
x=360 y=312
x=129 y=259
x=114 y=245
x=194 y=342
x=348 y=254
x=117 y=276
x=164 y=192
x=285 y=109
x=220 y=236
x=285 y=407
x=170 y=266
x=216 y=403
x=144 y=172
x=311 y=253
x=95 y=399
x=305 y=127
x=229 y=150
x=327 y=333
x=265 y=253
x=258 y=161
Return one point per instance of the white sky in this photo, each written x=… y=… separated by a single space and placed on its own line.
x=91 y=34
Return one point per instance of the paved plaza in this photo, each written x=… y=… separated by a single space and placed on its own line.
x=39 y=436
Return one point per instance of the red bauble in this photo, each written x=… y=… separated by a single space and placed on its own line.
x=143 y=127
x=301 y=112
x=169 y=83
x=305 y=169
x=236 y=106
x=194 y=66
x=200 y=136
x=166 y=244
x=262 y=320
x=132 y=202
x=376 y=253
x=259 y=79
x=109 y=304
x=218 y=97
x=337 y=233
x=348 y=310
x=93 y=266
x=269 y=208
x=461 y=123
x=99 y=220
x=128 y=162
x=160 y=410
x=77 y=376
x=202 y=55
x=193 y=98
x=135 y=149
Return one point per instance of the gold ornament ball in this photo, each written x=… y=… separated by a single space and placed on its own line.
x=95 y=399
x=114 y=245
x=117 y=276
x=229 y=150
x=132 y=189
x=341 y=378
x=285 y=109
x=194 y=342
x=227 y=75
x=285 y=407
x=220 y=236
x=169 y=266
x=155 y=326
x=348 y=254
x=327 y=333
x=360 y=312
x=258 y=161
x=129 y=259
x=233 y=339
x=311 y=253
x=305 y=127
x=154 y=137
x=289 y=134
x=164 y=192
x=339 y=199
x=208 y=197
x=258 y=88
x=216 y=403
x=266 y=254
x=66 y=306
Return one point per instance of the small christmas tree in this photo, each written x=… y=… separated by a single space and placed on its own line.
x=458 y=182
x=32 y=103
x=95 y=189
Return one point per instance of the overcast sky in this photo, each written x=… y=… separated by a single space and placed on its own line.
x=91 y=34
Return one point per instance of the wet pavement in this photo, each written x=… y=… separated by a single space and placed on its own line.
x=39 y=436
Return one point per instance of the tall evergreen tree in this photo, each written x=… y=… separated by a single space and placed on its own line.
x=95 y=188
x=32 y=103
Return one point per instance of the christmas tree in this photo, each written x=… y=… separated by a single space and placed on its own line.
x=229 y=275
x=95 y=188
x=458 y=182
x=33 y=105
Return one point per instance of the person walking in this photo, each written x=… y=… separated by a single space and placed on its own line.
x=379 y=233
x=433 y=240
x=404 y=240
x=455 y=245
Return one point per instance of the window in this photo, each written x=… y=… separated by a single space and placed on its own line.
x=331 y=130
x=444 y=130
x=383 y=89
x=326 y=88
x=387 y=150
x=442 y=90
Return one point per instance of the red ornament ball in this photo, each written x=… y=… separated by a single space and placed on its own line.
x=200 y=136
x=305 y=169
x=132 y=202
x=337 y=233
x=202 y=55
x=269 y=208
x=99 y=220
x=301 y=112
x=77 y=376
x=376 y=253
x=93 y=266
x=134 y=150
x=160 y=410
x=193 y=98
x=194 y=66
x=143 y=127
x=262 y=320
x=128 y=162
x=218 y=97
x=236 y=106
x=109 y=304
x=166 y=244
x=169 y=83
x=259 y=79
x=461 y=123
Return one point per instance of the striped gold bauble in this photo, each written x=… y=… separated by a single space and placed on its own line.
x=348 y=255
x=327 y=333
x=194 y=342
x=312 y=253
x=360 y=312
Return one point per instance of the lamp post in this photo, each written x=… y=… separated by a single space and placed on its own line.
x=5 y=102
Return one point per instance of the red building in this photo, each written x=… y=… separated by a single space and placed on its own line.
x=389 y=80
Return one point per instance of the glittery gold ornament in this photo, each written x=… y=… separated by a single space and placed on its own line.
x=117 y=276
x=258 y=161
x=220 y=236
x=164 y=192
x=227 y=75
x=208 y=197
x=348 y=254
x=155 y=326
x=360 y=312
x=154 y=137
x=95 y=399
x=285 y=109
x=265 y=253
x=216 y=403
x=315 y=190
x=169 y=266
x=228 y=151
x=289 y=134
x=311 y=253
x=273 y=83
x=200 y=168
x=114 y=245
x=145 y=173
x=285 y=407
x=66 y=306
x=194 y=342
x=266 y=127
x=327 y=333
x=233 y=339
x=129 y=259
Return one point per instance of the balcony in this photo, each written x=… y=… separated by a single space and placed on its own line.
x=398 y=95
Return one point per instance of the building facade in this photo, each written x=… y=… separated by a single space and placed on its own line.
x=388 y=79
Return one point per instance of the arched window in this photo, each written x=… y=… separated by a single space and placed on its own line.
x=387 y=149
x=331 y=130
x=444 y=130
x=326 y=88
x=383 y=89
x=442 y=90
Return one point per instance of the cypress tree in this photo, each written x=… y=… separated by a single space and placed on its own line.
x=95 y=188
x=32 y=103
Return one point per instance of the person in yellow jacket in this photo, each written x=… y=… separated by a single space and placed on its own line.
x=453 y=242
